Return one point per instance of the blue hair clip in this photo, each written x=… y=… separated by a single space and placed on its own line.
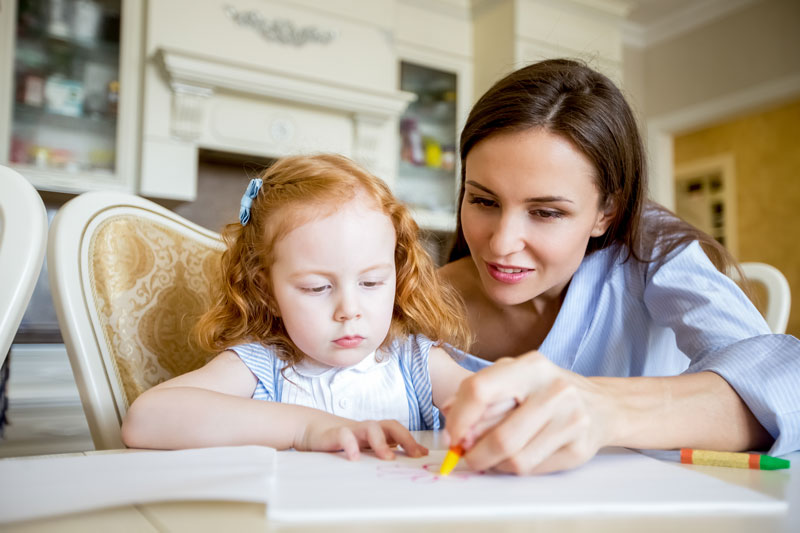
x=247 y=200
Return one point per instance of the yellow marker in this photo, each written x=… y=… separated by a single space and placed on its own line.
x=451 y=460
x=494 y=414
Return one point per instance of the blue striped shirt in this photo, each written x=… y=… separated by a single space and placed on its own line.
x=361 y=392
x=649 y=319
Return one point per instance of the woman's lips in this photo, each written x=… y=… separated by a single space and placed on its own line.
x=349 y=342
x=507 y=274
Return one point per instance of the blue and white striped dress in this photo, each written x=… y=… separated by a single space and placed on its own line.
x=648 y=319
x=395 y=385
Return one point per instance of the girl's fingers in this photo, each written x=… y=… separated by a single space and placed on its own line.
x=348 y=442
x=376 y=439
x=398 y=433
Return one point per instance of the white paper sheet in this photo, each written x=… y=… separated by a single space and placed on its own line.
x=315 y=487
x=39 y=487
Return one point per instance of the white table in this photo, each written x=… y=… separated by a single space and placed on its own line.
x=245 y=517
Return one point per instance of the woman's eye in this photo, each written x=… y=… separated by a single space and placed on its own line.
x=371 y=284
x=546 y=214
x=481 y=201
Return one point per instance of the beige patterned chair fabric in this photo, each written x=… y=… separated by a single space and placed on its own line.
x=150 y=285
x=129 y=280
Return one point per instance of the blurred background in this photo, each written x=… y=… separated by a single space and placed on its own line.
x=182 y=101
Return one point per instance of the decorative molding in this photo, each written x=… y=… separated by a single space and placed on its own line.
x=188 y=110
x=661 y=129
x=726 y=106
x=615 y=9
x=458 y=9
x=695 y=15
x=367 y=143
x=191 y=70
x=281 y=31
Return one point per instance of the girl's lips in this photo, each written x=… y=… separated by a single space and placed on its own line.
x=507 y=274
x=349 y=342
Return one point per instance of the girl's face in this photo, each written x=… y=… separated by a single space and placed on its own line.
x=334 y=283
x=530 y=206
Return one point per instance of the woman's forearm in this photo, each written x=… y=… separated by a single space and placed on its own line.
x=189 y=417
x=698 y=410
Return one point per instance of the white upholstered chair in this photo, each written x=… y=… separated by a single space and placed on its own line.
x=23 y=237
x=779 y=299
x=129 y=281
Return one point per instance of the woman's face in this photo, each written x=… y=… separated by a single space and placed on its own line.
x=530 y=206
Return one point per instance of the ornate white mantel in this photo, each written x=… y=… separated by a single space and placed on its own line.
x=265 y=98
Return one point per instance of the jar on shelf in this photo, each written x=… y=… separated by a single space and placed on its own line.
x=113 y=97
x=30 y=88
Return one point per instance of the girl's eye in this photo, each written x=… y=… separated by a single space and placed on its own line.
x=481 y=201
x=315 y=290
x=371 y=284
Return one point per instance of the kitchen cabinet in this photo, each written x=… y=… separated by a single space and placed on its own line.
x=69 y=92
x=426 y=176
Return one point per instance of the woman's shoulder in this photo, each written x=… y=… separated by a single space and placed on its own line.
x=462 y=275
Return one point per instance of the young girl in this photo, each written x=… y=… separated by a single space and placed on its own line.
x=627 y=330
x=329 y=315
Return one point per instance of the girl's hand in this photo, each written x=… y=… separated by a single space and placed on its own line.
x=561 y=421
x=331 y=434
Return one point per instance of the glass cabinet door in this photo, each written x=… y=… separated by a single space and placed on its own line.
x=427 y=170
x=66 y=87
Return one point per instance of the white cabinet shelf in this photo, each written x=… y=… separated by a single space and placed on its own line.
x=70 y=92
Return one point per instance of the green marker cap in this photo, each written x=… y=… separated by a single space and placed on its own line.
x=773 y=463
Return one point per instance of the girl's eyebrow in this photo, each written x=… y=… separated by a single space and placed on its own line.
x=535 y=199
x=382 y=266
x=326 y=273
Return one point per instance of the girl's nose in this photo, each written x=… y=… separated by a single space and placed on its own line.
x=506 y=237
x=347 y=307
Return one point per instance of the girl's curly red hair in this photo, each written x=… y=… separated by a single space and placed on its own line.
x=294 y=191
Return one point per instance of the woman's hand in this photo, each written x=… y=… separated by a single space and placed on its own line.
x=330 y=433
x=561 y=421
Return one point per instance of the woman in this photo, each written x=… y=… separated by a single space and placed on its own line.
x=560 y=257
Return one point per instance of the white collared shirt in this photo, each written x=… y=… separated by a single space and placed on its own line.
x=395 y=386
x=370 y=390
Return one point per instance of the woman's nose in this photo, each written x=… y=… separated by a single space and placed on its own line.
x=506 y=237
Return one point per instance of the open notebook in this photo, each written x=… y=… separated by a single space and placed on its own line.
x=36 y=487
x=317 y=487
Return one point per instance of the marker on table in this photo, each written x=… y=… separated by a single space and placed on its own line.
x=733 y=459
x=494 y=414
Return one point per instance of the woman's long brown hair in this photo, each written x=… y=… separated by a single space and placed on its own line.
x=568 y=98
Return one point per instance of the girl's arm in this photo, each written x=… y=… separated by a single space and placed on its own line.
x=212 y=406
x=446 y=375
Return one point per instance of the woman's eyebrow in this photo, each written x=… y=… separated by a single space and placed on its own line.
x=536 y=199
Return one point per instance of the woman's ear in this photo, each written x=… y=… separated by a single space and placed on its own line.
x=604 y=217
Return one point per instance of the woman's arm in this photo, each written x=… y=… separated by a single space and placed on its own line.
x=699 y=410
x=212 y=406
x=563 y=418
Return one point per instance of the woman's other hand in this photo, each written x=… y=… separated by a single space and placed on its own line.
x=561 y=422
